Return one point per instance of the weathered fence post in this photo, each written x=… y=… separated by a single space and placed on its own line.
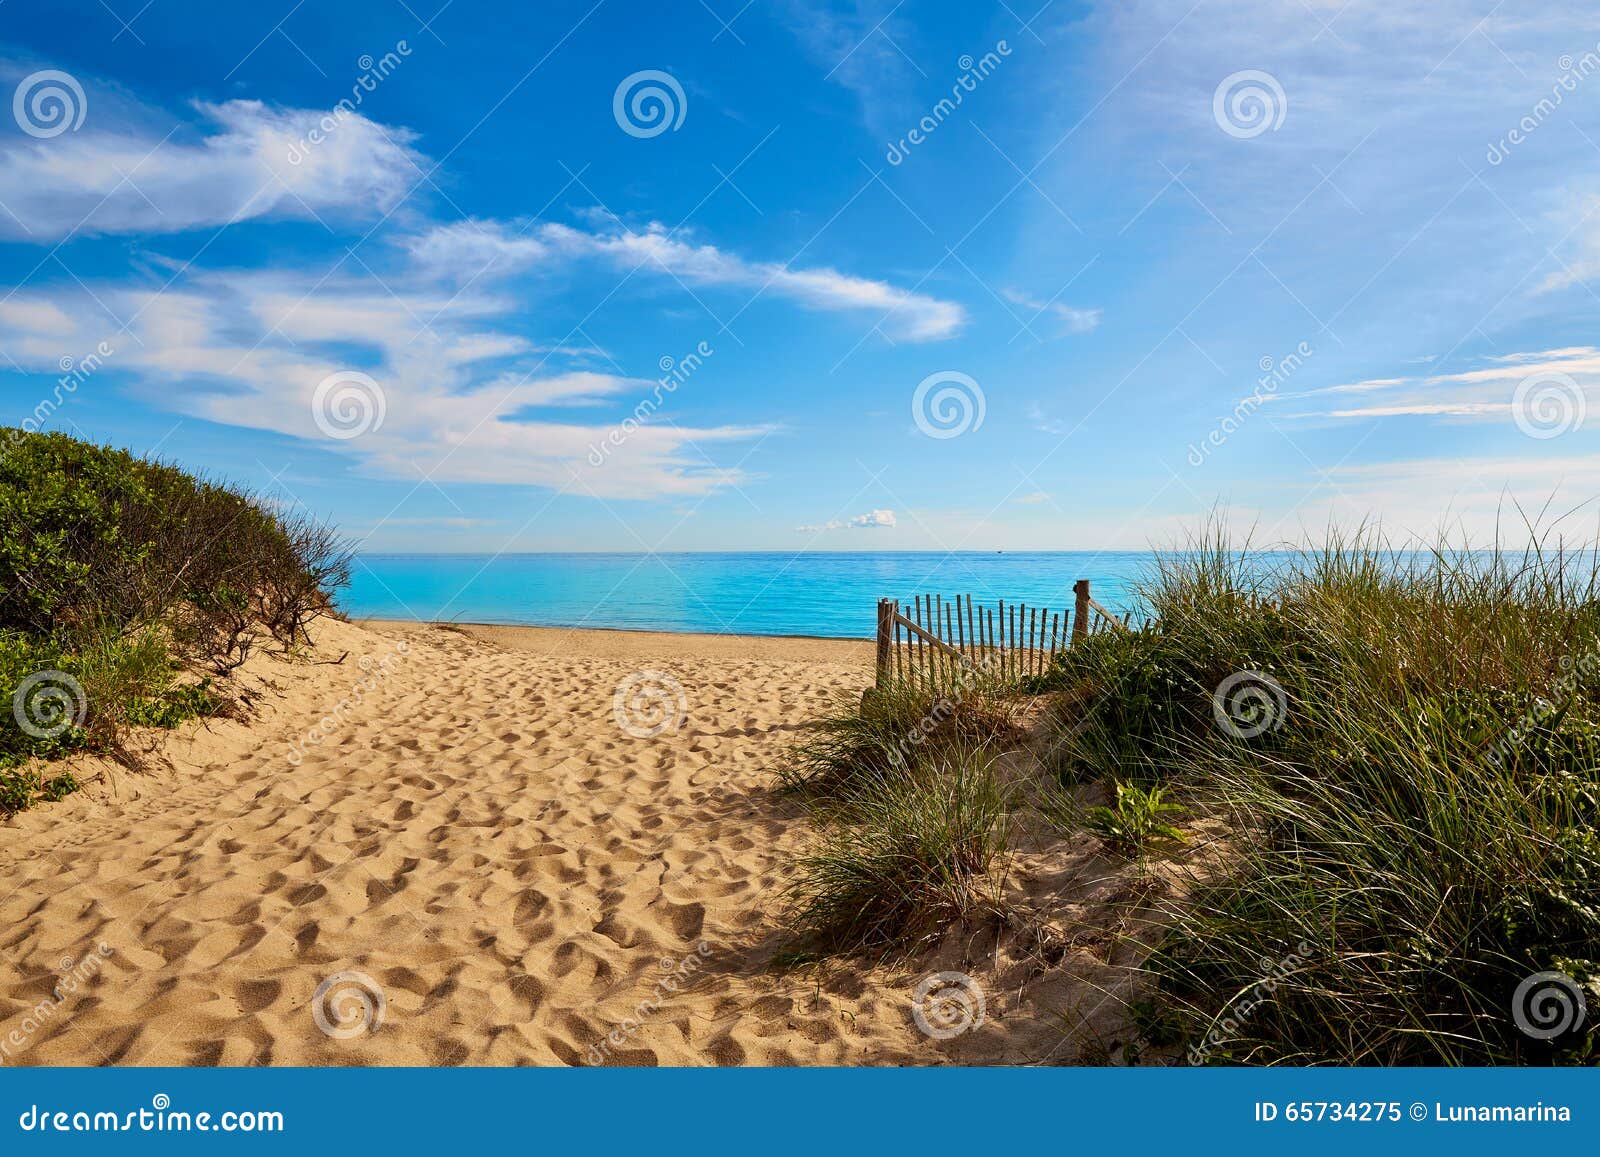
x=886 y=610
x=1080 y=613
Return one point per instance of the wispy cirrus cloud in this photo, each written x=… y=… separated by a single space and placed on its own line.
x=1485 y=392
x=234 y=166
x=866 y=47
x=469 y=250
x=1070 y=319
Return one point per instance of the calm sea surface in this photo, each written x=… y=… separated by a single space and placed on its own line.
x=746 y=594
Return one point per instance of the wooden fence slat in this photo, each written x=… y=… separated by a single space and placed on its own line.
x=950 y=635
x=916 y=640
x=934 y=640
x=1036 y=645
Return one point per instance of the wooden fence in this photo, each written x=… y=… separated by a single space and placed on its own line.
x=933 y=640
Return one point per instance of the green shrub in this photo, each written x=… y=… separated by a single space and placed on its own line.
x=117 y=572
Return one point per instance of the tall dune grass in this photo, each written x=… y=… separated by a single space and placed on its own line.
x=1409 y=746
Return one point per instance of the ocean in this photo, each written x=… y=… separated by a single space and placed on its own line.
x=811 y=593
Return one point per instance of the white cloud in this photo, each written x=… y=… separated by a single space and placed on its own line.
x=469 y=250
x=463 y=399
x=867 y=521
x=1072 y=319
x=863 y=46
x=1044 y=423
x=134 y=181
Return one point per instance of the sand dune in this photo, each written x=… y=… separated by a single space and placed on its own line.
x=475 y=833
x=455 y=847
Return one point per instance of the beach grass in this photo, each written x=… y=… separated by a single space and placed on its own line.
x=1406 y=745
x=907 y=855
x=1401 y=750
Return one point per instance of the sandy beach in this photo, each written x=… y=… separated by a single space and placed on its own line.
x=470 y=831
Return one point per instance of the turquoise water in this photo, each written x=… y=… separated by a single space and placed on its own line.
x=746 y=594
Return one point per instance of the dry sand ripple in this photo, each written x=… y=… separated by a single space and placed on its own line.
x=475 y=851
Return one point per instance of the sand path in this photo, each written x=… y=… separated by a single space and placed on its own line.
x=518 y=876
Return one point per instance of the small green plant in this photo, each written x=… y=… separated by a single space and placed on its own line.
x=21 y=788
x=174 y=706
x=1134 y=822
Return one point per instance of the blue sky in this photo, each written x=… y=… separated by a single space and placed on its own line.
x=727 y=275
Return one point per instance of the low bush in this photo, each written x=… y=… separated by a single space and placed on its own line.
x=118 y=574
